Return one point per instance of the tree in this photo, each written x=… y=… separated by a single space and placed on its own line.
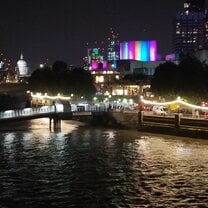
x=188 y=79
x=191 y=79
x=41 y=80
x=82 y=83
x=61 y=80
x=61 y=74
x=59 y=67
x=163 y=81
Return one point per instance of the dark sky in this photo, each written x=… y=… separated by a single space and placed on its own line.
x=60 y=29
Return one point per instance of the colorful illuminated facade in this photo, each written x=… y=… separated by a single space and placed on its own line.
x=105 y=56
x=138 y=50
x=95 y=59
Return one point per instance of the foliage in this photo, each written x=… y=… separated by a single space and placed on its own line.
x=82 y=82
x=41 y=80
x=59 y=67
x=163 y=81
x=188 y=79
x=59 y=79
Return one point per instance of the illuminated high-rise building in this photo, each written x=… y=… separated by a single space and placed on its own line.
x=194 y=5
x=113 y=46
x=105 y=55
x=190 y=27
x=95 y=59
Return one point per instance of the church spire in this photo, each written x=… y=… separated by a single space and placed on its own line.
x=21 y=56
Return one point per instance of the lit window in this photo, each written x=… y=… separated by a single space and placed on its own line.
x=99 y=79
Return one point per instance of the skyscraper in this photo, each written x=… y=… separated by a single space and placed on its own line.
x=190 y=27
x=194 y=5
x=113 y=46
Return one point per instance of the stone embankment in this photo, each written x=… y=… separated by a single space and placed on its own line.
x=116 y=119
x=195 y=128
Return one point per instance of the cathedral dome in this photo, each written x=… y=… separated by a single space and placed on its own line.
x=22 y=66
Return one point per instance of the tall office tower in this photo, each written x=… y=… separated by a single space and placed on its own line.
x=113 y=46
x=190 y=27
x=194 y=5
x=206 y=32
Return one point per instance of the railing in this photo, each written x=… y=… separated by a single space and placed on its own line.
x=26 y=112
x=58 y=108
x=177 y=121
x=92 y=108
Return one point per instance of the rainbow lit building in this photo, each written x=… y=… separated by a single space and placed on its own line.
x=139 y=50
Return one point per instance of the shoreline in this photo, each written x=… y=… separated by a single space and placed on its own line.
x=119 y=122
x=130 y=122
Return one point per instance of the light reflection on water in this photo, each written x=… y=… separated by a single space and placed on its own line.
x=82 y=166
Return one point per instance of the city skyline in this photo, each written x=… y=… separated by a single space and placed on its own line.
x=60 y=30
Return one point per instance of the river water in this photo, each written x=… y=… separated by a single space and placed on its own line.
x=84 y=166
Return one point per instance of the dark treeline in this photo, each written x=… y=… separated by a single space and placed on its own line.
x=59 y=79
x=188 y=79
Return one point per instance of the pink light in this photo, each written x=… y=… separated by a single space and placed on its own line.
x=153 y=50
x=94 y=65
x=131 y=50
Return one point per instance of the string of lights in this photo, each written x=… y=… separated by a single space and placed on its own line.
x=45 y=96
x=177 y=101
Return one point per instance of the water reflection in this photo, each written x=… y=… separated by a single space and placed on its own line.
x=82 y=166
x=8 y=139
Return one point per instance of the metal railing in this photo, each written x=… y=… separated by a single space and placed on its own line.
x=26 y=112
x=177 y=121
x=58 y=108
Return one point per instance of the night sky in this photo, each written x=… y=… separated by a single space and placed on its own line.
x=60 y=30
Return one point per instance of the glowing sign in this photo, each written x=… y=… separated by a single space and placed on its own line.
x=139 y=50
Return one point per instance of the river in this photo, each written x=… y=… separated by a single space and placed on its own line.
x=93 y=167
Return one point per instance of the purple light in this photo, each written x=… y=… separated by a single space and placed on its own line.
x=105 y=64
x=171 y=57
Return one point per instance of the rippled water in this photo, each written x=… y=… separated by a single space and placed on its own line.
x=83 y=166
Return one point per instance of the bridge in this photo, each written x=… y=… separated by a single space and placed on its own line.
x=100 y=114
x=55 y=113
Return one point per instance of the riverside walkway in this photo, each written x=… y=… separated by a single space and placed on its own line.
x=176 y=124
